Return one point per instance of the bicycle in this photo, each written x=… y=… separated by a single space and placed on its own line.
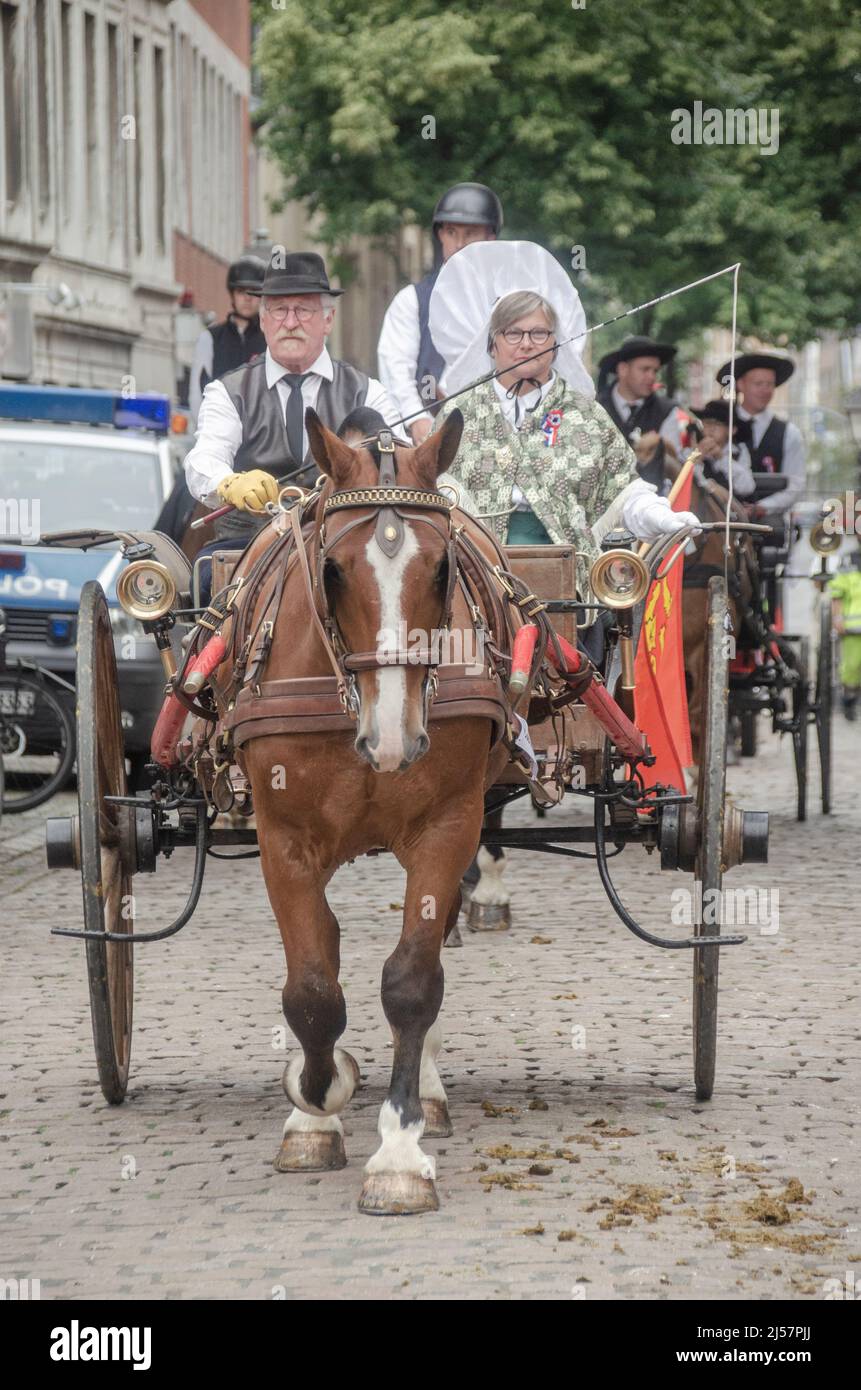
x=37 y=732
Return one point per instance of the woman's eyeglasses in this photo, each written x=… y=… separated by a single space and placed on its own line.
x=536 y=336
x=279 y=312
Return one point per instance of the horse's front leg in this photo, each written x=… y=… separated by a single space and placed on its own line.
x=399 y=1178
x=322 y=1080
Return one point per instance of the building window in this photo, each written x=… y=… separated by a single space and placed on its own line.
x=43 y=79
x=137 y=95
x=160 y=152
x=116 y=162
x=68 y=161
x=12 y=106
x=91 y=127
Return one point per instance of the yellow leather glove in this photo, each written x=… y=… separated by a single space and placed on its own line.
x=248 y=491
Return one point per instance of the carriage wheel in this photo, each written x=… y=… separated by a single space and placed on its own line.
x=105 y=874
x=710 y=800
x=800 y=722
x=825 y=700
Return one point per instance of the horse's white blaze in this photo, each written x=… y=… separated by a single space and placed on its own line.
x=391 y=681
x=430 y=1082
x=340 y=1089
x=400 y=1152
x=491 y=888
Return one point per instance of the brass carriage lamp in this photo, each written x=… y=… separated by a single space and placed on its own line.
x=146 y=590
x=619 y=579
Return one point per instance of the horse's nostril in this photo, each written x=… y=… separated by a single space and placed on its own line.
x=363 y=750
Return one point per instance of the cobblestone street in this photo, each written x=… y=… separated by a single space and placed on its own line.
x=581 y=1164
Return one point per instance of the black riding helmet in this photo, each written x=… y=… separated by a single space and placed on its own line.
x=468 y=203
x=247 y=274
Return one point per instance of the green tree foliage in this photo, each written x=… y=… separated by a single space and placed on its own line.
x=567 y=113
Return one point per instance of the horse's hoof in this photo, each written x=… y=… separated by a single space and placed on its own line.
x=397 y=1194
x=437 y=1119
x=488 y=916
x=454 y=937
x=311 y=1151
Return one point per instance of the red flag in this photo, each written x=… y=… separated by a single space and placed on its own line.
x=661 y=701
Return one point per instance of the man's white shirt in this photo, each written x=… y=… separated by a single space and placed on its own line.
x=398 y=354
x=793 y=466
x=219 y=427
x=743 y=482
x=204 y=353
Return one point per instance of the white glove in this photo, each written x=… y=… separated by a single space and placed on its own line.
x=648 y=516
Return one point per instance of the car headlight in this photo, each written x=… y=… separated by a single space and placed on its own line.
x=146 y=590
x=619 y=579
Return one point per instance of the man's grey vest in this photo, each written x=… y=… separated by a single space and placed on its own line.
x=429 y=365
x=264 y=431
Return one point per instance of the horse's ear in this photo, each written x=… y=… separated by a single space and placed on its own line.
x=331 y=455
x=436 y=454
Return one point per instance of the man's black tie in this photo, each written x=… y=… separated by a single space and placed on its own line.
x=296 y=417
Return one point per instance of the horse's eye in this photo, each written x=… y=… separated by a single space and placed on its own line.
x=332 y=573
x=441 y=574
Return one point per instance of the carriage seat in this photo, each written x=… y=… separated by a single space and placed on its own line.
x=224 y=562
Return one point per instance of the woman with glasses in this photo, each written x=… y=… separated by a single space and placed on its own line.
x=540 y=460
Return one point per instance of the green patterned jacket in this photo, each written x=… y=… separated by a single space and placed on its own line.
x=569 y=484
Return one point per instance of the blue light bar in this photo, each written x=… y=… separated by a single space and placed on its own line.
x=62 y=405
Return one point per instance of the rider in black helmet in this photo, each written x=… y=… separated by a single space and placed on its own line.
x=409 y=365
x=235 y=340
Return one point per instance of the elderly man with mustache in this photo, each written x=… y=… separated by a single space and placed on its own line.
x=251 y=429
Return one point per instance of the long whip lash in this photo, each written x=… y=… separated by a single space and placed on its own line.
x=626 y=313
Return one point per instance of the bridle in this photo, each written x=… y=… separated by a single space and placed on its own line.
x=387 y=501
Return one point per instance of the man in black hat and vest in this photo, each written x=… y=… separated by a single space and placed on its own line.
x=251 y=430
x=409 y=364
x=235 y=340
x=775 y=445
x=626 y=390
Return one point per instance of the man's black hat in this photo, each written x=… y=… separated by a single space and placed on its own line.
x=469 y=204
x=636 y=347
x=247 y=274
x=749 y=361
x=298 y=272
x=719 y=410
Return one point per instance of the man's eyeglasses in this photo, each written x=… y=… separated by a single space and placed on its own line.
x=536 y=336
x=280 y=311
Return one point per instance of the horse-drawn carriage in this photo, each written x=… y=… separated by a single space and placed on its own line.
x=772 y=671
x=278 y=671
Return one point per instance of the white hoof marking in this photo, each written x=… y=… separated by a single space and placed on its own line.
x=400 y=1151
x=340 y=1089
x=490 y=889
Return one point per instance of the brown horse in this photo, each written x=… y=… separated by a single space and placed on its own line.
x=394 y=782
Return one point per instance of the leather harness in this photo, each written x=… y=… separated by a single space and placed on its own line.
x=253 y=707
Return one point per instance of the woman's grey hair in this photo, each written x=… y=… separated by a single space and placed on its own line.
x=511 y=307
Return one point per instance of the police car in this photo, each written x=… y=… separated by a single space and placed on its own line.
x=73 y=460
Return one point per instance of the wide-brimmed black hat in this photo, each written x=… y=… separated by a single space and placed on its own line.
x=298 y=272
x=719 y=410
x=636 y=347
x=782 y=367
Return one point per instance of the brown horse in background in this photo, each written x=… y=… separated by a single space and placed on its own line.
x=393 y=782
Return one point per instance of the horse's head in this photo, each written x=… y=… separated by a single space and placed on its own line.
x=385 y=580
